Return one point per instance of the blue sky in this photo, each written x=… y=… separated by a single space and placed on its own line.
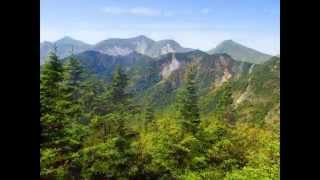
x=200 y=24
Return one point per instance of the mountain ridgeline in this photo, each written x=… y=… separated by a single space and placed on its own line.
x=114 y=47
x=146 y=46
x=64 y=47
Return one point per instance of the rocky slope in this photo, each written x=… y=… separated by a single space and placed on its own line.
x=140 y=44
x=114 y=47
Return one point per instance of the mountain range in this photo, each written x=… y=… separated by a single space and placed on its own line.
x=114 y=47
x=157 y=74
x=146 y=46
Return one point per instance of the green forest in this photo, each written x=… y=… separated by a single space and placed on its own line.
x=100 y=128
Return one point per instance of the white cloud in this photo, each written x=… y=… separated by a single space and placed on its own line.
x=205 y=10
x=138 y=11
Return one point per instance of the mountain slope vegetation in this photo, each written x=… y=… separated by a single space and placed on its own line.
x=181 y=115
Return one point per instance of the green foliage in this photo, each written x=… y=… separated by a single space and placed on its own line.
x=188 y=102
x=95 y=130
x=50 y=77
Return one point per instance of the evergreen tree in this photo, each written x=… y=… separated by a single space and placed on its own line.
x=51 y=118
x=118 y=85
x=61 y=131
x=224 y=109
x=71 y=88
x=73 y=72
x=50 y=78
x=188 y=102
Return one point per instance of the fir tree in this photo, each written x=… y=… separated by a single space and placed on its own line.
x=188 y=102
x=50 y=78
x=118 y=85
x=52 y=118
x=71 y=88
x=224 y=109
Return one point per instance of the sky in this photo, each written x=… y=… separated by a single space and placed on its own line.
x=200 y=24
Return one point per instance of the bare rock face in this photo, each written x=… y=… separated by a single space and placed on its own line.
x=114 y=47
x=140 y=44
x=166 y=49
x=168 y=69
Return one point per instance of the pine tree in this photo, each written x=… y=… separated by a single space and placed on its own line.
x=118 y=85
x=224 y=109
x=71 y=88
x=188 y=102
x=74 y=73
x=50 y=78
x=62 y=131
x=51 y=117
x=113 y=108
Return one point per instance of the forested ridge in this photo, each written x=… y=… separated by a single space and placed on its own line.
x=103 y=128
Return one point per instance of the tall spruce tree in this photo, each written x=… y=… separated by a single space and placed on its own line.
x=119 y=98
x=50 y=82
x=188 y=102
x=114 y=109
x=51 y=118
x=71 y=88
x=118 y=85
x=50 y=77
x=224 y=109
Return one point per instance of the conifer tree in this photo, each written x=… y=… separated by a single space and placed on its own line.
x=224 y=109
x=188 y=102
x=73 y=72
x=50 y=78
x=51 y=117
x=118 y=85
x=114 y=109
x=71 y=88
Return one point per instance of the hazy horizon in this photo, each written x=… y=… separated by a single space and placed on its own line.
x=255 y=24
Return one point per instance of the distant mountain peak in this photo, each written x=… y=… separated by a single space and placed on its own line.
x=64 y=47
x=228 y=41
x=240 y=52
x=67 y=38
x=141 y=37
